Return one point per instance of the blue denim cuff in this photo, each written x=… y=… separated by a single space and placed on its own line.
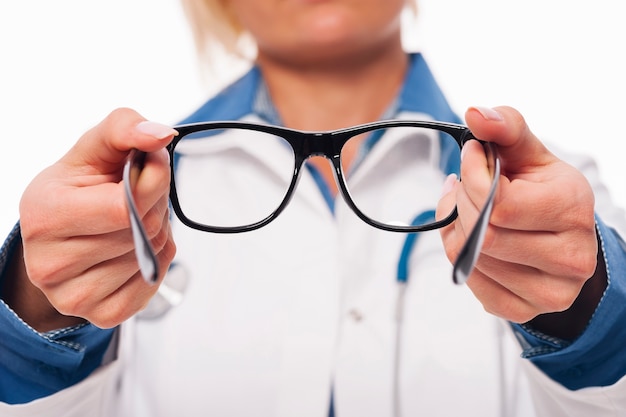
x=35 y=364
x=596 y=357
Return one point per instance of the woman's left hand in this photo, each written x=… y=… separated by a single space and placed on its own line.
x=540 y=247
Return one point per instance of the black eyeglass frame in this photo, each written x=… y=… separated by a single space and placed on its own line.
x=306 y=144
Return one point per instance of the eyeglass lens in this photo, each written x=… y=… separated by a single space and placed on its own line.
x=228 y=178
x=248 y=174
x=232 y=177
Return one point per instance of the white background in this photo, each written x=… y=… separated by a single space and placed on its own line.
x=65 y=64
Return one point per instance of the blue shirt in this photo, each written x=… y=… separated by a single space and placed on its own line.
x=34 y=364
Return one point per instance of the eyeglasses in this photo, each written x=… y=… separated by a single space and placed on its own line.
x=250 y=171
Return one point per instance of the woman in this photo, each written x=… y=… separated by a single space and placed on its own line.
x=297 y=318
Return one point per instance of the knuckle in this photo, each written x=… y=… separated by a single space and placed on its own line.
x=153 y=224
x=45 y=271
x=585 y=266
x=35 y=224
x=490 y=238
x=108 y=320
x=124 y=303
x=169 y=251
x=575 y=260
x=117 y=125
x=515 y=313
x=110 y=314
x=164 y=233
x=558 y=299
x=522 y=316
x=120 y=114
x=504 y=213
x=119 y=214
x=159 y=241
x=71 y=303
x=114 y=317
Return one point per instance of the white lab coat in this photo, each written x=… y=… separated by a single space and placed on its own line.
x=272 y=322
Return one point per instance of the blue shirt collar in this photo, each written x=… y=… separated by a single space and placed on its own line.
x=420 y=94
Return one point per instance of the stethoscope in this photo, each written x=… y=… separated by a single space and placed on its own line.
x=402 y=280
x=170 y=294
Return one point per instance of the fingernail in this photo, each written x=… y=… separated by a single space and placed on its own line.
x=448 y=184
x=489 y=113
x=156 y=130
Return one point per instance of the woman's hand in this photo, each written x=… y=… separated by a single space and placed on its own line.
x=540 y=247
x=79 y=262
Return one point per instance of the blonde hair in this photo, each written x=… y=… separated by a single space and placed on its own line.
x=213 y=25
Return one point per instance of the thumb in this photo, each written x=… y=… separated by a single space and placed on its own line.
x=104 y=147
x=518 y=147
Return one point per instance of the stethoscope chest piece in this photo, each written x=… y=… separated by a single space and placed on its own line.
x=170 y=294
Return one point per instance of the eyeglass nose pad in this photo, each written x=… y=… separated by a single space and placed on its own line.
x=466 y=261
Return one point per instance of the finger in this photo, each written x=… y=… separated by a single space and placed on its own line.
x=102 y=208
x=499 y=300
x=154 y=181
x=109 y=292
x=527 y=291
x=133 y=294
x=537 y=191
x=104 y=310
x=104 y=148
x=453 y=234
x=82 y=192
x=447 y=201
x=468 y=208
x=562 y=201
x=576 y=255
x=80 y=253
x=49 y=210
x=518 y=147
x=476 y=177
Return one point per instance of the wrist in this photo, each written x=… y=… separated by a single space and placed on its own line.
x=28 y=301
x=571 y=323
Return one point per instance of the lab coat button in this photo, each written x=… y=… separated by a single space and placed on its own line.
x=355 y=315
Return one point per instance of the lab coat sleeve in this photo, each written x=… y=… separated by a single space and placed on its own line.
x=90 y=397
x=552 y=399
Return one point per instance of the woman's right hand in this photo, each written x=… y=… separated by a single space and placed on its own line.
x=78 y=253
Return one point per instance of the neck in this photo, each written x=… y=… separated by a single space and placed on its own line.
x=337 y=92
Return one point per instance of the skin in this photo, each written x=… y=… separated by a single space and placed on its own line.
x=542 y=203
x=319 y=58
x=78 y=263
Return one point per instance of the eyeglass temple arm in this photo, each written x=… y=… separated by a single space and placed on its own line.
x=146 y=258
x=466 y=261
